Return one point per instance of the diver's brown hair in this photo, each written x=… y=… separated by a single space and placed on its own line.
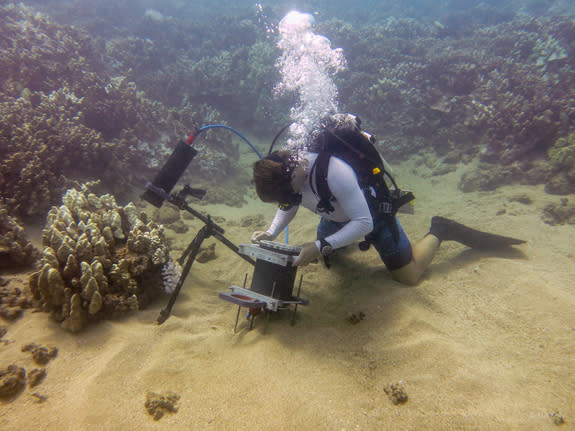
x=272 y=177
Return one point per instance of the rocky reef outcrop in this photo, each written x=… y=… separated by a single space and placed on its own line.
x=71 y=112
x=498 y=89
x=479 y=81
x=562 y=166
x=99 y=259
x=12 y=380
x=15 y=249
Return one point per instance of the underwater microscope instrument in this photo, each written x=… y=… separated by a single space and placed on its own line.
x=274 y=276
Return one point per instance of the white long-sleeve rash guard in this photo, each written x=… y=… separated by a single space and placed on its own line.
x=349 y=205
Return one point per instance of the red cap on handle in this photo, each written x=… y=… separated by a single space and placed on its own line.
x=191 y=138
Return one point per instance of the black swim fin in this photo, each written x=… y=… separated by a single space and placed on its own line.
x=449 y=230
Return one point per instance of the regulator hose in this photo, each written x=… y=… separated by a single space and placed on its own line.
x=231 y=129
x=255 y=150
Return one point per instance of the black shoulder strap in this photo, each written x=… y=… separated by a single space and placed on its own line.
x=319 y=173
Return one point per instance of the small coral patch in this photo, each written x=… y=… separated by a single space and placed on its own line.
x=158 y=404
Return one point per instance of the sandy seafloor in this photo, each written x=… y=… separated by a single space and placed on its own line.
x=484 y=342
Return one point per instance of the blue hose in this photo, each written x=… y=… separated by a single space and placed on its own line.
x=231 y=129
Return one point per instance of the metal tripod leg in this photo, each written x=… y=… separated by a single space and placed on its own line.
x=295 y=306
x=189 y=256
x=239 y=306
x=237 y=319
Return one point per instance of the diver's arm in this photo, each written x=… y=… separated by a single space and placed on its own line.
x=345 y=189
x=281 y=220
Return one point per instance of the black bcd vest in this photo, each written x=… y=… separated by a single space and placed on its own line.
x=357 y=149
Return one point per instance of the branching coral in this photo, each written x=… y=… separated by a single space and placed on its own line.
x=99 y=260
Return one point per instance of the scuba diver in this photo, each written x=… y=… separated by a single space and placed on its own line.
x=343 y=178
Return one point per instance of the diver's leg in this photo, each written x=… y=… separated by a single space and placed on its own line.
x=423 y=253
x=406 y=263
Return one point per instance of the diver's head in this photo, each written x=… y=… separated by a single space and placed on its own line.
x=273 y=177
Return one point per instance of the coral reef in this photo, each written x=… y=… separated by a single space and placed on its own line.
x=562 y=165
x=207 y=254
x=504 y=82
x=500 y=89
x=170 y=217
x=227 y=192
x=15 y=249
x=485 y=178
x=167 y=214
x=355 y=318
x=396 y=393
x=158 y=404
x=12 y=380
x=99 y=259
x=41 y=354
x=557 y=418
x=253 y=221
x=480 y=81
x=64 y=116
x=227 y=68
x=559 y=213
x=13 y=302
x=36 y=376
x=68 y=113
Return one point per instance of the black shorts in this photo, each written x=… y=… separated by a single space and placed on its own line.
x=394 y=254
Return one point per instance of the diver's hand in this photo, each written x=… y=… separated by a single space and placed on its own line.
x=258 y=236
x=309 y=252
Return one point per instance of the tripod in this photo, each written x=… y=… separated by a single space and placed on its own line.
x=189 y=255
